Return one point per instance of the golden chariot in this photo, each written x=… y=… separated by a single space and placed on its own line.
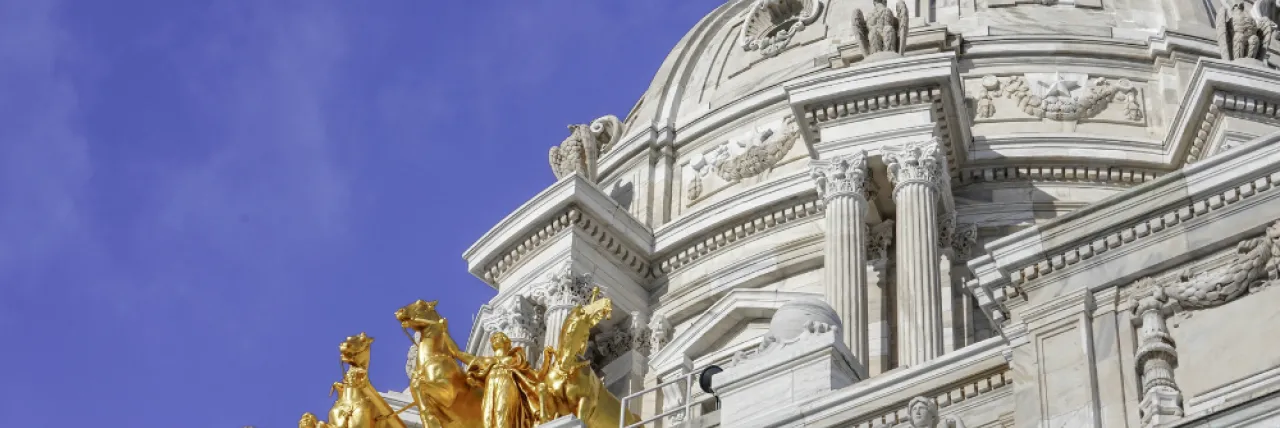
x=453 y=389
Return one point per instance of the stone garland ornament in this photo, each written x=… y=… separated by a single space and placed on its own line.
x=770 y=24
x=1058 y=102
x=882 y=34
x=1256 y=264
x=751 y=155
x=580 y=152
x=1244 y=36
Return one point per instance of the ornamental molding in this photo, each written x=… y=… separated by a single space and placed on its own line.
x=1123 y=176
x=823 y=112
x=1226 y=102
x=1065 y=97
x=569 y=219
x=769 y=25
x=1021 y=278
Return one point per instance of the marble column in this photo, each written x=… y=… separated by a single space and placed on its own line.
x=563 y=290
x=841 y=183
x=1156 y=356
x=916 y=171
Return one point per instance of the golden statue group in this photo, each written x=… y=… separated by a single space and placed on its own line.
x=453 y=389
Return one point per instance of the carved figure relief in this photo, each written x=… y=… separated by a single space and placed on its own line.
x=882 y=33
x=923 y=413
x=1059 y=96
x=770 y=24
x=748 y=155
x=580 y=152
x=1244 y=34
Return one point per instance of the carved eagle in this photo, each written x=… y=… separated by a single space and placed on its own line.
x=1244 y=34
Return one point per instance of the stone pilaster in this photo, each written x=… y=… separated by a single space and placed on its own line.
x=841 y=183
x=663 y=156
x=563 y=290
x=1156 y=357
x=916 y=171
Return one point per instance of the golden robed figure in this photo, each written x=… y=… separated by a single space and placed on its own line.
x=453 y=389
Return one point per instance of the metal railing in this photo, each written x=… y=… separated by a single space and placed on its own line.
x=690 y=386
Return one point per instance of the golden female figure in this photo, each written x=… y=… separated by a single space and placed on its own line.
x=510 y=385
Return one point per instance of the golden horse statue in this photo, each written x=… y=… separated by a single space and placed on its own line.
x=570 y=386
x=359 y=405
x=438 y=385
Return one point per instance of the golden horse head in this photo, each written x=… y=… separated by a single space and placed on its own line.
x=355 y=350
x=308 y=420
x=419 y=315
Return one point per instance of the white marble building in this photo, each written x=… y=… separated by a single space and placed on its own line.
x=1039 y=213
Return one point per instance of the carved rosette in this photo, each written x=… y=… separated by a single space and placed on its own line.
x=919 y=162
x=840 y=176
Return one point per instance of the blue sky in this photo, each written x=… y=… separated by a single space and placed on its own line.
x=202 y=198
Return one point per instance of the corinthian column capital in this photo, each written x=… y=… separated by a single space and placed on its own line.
x=563 y=288
x=844 y=175
x=517 y=318
x=918 y=162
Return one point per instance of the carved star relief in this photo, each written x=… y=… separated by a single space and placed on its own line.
x=1059 y=87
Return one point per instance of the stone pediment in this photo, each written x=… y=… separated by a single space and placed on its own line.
x=736 y=307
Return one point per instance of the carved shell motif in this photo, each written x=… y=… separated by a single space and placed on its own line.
x=770 y=24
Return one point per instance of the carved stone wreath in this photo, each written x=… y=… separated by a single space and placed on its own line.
x=1057 y=100
x=761 y=150
x=770 y=24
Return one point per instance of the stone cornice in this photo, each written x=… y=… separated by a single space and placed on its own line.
x=957 y=370
x=551 y=212
x=685 y=230
x=726 y=236
x=1014 y=263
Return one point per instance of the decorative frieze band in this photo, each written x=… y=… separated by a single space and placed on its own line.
x=571 y=217
x=1137 y=231
x=1085 y=174
x=741 y=231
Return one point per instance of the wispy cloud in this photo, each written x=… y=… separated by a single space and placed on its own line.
x=45 y=163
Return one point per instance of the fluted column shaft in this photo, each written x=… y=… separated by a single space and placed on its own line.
x=841 y=182
x=915 y=170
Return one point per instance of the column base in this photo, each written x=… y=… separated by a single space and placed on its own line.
x=1160 y=405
